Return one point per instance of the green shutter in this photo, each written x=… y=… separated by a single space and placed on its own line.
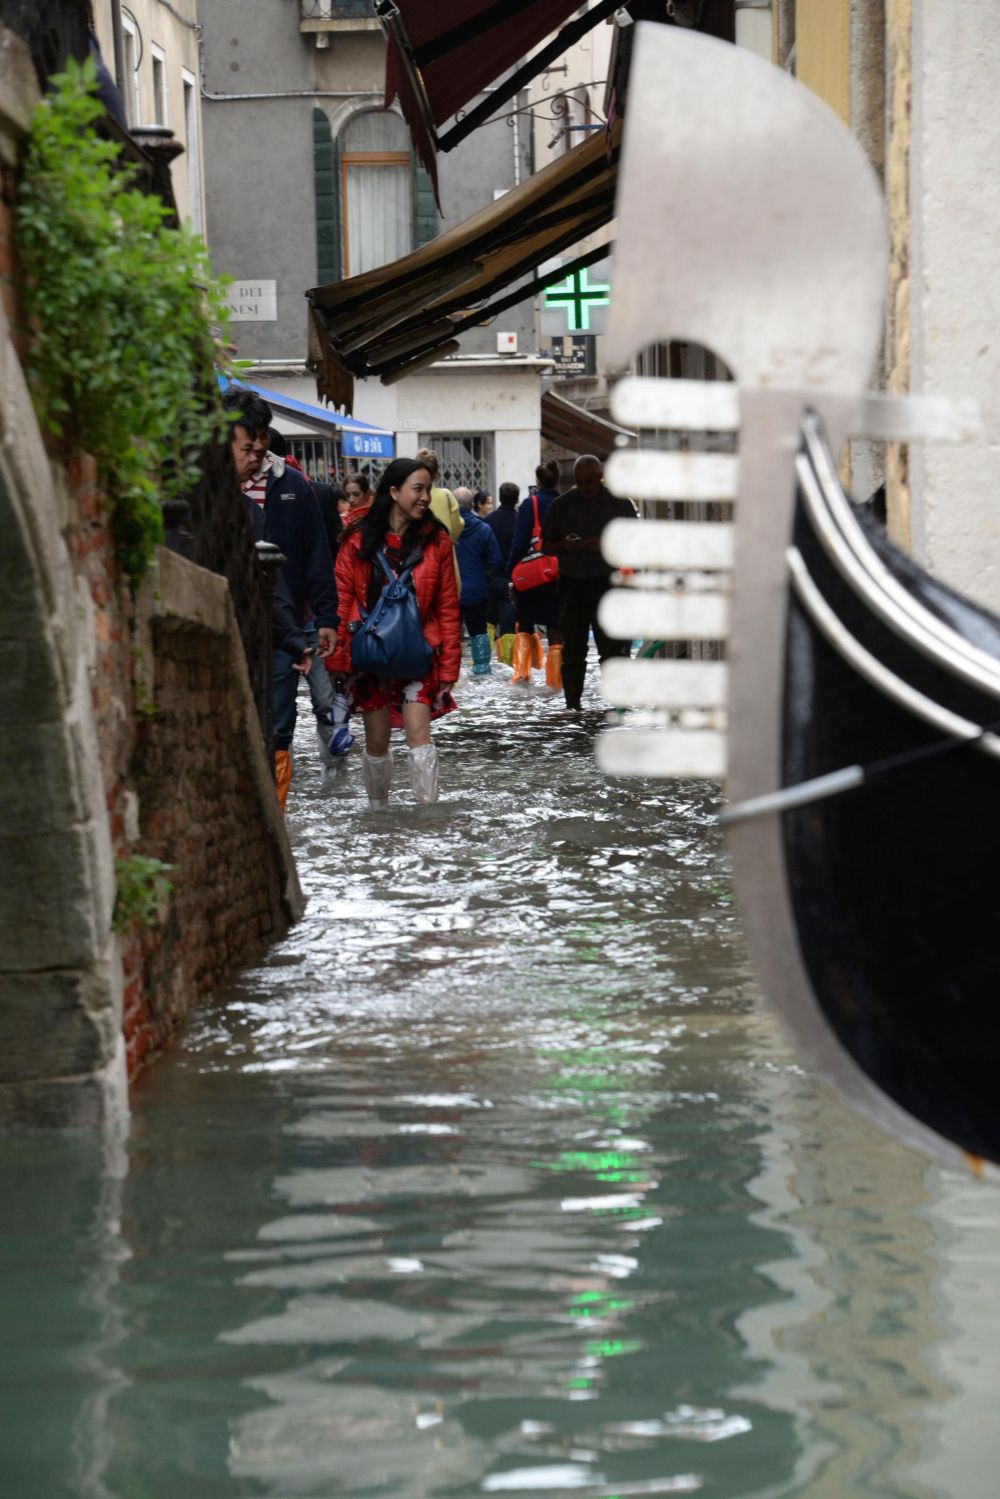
x=425 y=214
x=326 y=171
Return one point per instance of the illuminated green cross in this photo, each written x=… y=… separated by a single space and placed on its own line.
x=578 y=296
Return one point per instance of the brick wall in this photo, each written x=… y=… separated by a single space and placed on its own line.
x=199 y=811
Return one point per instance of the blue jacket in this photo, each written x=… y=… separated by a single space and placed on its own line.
x=294 y=523
x=502 y=523
x=525 y=522
x=479 y=558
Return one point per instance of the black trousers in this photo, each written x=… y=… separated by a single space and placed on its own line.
x=579 y=598
x=474 y=617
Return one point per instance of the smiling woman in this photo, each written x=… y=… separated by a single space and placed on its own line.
x=396 y=553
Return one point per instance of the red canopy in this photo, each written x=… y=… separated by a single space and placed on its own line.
x=441 y=55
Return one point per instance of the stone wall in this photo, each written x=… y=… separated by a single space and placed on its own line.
x=127 y=725
x=206 y=807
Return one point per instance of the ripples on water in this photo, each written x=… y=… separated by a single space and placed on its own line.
x=494 y=1179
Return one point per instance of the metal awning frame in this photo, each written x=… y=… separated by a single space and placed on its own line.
x=413 y=59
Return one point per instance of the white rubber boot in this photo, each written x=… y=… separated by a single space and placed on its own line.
x=377 y=773
x=424 y=772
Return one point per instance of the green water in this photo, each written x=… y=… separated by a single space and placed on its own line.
x=495 y=1178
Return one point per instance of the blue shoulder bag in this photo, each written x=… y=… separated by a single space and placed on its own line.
x=389 y=642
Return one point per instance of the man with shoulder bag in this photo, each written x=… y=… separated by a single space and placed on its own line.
x=571 y=532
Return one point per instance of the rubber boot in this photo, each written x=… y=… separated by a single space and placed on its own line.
x=505 y=647
x=282 y=775
x=323 y=732
x=521 y=657
x=424 y=773
x=537 y=654
x=553 y=668
x=479 y=645
x=376 y=771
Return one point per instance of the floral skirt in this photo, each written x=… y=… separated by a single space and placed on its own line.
x=367 y=693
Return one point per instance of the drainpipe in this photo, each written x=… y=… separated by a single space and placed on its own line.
x=118 y=36
x=295 y=93
x=516 y=132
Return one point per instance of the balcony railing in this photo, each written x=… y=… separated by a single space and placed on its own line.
x=337 y=10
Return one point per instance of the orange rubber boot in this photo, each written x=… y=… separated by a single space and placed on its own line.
x=538 y=655
x=553 y=667
x=282 y=775
x=521 y=656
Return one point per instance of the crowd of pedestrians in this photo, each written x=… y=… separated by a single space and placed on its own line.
x=375 y=580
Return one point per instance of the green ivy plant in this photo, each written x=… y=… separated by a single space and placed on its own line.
x=121 y=309
x=142 y=888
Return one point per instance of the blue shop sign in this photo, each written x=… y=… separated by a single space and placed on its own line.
x=367 y=444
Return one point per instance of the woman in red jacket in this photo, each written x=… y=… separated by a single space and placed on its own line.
x=399 y=523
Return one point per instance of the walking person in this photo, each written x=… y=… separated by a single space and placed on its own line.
x=444 y=505
x=571 y=531
x=357 y=491
x=295 y=525
x=480 y=564
x=398 y=527
x=535 y=606
x=503 y=523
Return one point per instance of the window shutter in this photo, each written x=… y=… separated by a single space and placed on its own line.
x=425 y=214
x=327 y=188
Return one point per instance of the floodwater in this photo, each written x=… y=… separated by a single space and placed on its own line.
x=496 y=1178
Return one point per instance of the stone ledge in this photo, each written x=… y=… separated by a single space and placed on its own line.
x=180 y=593
x=95 y=1100
x=19 y=94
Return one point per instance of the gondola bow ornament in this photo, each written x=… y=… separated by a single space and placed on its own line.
x=855 y=719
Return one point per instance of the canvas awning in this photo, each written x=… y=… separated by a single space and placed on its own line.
x=580 y=431
x=361 y=439
x=440 y=56
x=404 y=315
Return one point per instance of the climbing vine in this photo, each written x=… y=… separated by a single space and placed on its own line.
x=120 y=308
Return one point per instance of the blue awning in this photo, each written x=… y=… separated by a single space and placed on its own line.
x=360 y=439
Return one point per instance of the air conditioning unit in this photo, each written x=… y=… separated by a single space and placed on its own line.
x=506 y=343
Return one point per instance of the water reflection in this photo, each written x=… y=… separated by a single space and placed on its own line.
x=493 y=1179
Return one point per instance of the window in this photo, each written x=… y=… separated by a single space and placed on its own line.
x=321 y=458
x=192 y=145
x=376 y=175
x=159 y=84
x=464 y=458
x=133 y=56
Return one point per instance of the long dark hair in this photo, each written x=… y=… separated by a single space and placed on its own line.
x=373 y=525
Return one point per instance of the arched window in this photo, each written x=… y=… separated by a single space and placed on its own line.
x=376 y=187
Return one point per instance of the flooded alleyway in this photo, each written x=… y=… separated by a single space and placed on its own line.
x=495 y=1178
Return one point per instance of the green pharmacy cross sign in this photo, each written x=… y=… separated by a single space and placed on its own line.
x=578 y=295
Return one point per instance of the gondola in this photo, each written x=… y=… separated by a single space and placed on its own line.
x=855 y=720
x=891 y=737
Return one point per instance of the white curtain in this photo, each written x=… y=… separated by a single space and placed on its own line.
x=379 y=217
x=378 y=195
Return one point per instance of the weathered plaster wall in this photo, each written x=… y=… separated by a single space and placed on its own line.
x=954 y=292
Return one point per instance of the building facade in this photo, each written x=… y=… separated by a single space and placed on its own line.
x=152 y=49
x=310 y=180
x=916 y=81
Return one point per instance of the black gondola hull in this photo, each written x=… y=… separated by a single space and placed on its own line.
x=892 y=887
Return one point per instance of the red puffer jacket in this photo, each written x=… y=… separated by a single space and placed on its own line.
x=437 y=601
